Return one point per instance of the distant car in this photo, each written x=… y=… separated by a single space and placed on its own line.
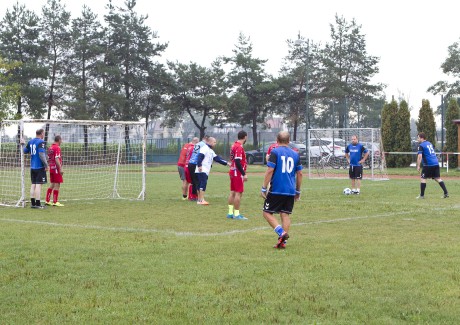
x=320 y=147
x=258 y=155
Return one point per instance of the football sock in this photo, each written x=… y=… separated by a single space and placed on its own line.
x=422 y=189
x=48 y=194
x=32 y=201
x=443 y=186
x=279 y=230
x=37 y=203
x=230 y=209
x=55 y=196
x=237 y=212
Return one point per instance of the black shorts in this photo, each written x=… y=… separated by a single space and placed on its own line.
x=356 y=172
x=38 y=176
x=203 y=181
x=278 y=203
x=430 y=172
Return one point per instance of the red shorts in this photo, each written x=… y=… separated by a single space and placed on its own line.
x=188 y=178
x=236 y=183
x=55 y=176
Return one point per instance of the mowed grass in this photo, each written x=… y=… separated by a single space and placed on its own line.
x=378 y=258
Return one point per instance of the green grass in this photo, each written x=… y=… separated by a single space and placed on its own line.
x=378 y=258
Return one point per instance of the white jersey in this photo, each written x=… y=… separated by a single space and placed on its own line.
x=209 y=155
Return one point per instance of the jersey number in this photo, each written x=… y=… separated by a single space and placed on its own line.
x=288 y=165
x=430 y=149
x=34 y=149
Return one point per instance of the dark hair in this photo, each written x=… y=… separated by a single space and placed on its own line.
x=422 y=135
x=39 y=132
x=57 y=138
x=242 y=134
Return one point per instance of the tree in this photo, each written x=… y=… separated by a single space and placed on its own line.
x=198 y=93
x=389 y=115
x=402 y=137
x=9 y=91
x=426 y=123
x=451 y=67
x=347 y=69
x=252 y=86
x=453 y=113
x=19 y=34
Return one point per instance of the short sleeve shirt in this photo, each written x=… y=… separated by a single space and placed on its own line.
x=237 y=152
x=286 y=164
x=356 y=153
x=428 y=154
x=54 y=154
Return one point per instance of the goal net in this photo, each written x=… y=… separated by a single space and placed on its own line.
x=101 y=160
x=327 y=153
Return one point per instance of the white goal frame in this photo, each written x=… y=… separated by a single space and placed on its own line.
x=324 y=163
x=119 y=160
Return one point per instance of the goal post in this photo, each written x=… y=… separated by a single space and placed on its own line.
x=327 y=159
x=101 y=159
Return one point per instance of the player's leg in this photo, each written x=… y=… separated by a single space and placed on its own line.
x=273 y=204
x=230 y=201
x=437 y=178
x=237 y=187
x=56 y=188
x=32 y=195
x=37 y=194
x=423 y=176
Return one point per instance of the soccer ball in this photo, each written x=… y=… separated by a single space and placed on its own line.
x=347 y=191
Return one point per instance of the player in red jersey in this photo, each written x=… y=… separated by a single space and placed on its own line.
x=181 y=170
x=56 y=172
x=192 y=195
x=269 y=150
x=237 y=176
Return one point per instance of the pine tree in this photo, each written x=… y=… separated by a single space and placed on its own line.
x=453 y=113
x=402 y=138
x=426 y=122
x=389 y=130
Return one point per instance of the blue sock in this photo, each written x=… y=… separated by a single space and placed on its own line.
x=279 y=230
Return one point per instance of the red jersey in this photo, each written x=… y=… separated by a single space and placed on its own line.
x=237 y=152
x=272 y=146
x=188 y=155
x=183 y=153
x=54 y=154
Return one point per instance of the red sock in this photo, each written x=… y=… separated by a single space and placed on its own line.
x=48 y=194
x=55 y=196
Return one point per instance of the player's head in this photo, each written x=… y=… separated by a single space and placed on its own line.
x=195 y=140
x=205 y=138
x=421 y=137
x=58 y=139
x=283 y=137
x=354 y=139
x=40 y=133
x=243 y=135
x=212 y=142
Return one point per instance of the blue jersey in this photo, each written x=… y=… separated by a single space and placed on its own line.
x=196 y=150
x=428 y=155
x=286 y=163
x=356 y=153
x=34 y=147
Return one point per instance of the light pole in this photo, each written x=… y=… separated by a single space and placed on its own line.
x=299 y=42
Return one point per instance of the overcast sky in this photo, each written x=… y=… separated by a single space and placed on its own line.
x=410 y=38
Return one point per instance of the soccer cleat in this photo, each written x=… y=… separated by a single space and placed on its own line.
x=184 y=198
x=202 y=203
x=282 y=240
x=240 y=217
x=48 y=203
x=420 y=197
x=57 y=204
x=37 y=207
x=229 y=216
x=445 y=196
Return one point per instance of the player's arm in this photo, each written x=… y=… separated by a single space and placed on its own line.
x=267 y=178
x=221 y=161
x=298 y=184
x=239 y=166
x=366 y=154
x=419 y=160
x=59 y=166
x=200 y=160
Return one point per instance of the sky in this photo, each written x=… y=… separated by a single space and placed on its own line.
x=410 y=38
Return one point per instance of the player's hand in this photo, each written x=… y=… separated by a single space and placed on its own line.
x=297 y=197
x=21 y=141
x=418 y=168
x=263 y=192
x=61 y=172
x=245 y=178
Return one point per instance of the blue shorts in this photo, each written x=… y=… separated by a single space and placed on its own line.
x=202 y=181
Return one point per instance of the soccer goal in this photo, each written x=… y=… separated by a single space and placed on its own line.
x=101 y=160
x=327 y=153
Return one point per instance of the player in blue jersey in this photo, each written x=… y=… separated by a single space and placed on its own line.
x=284 y=174
x=356 y=155
x=38 y=167
x=430 y=168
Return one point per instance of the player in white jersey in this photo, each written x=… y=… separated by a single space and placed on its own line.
x=206 y=157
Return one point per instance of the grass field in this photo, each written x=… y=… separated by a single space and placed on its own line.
x=378 y=258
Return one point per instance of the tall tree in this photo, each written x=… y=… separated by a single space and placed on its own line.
x=389 y=129
x=347 y=69
x=426 y=122
x=252 y=85
x=451 y=67
x=198 y=93
x=9 y=91
x=402 y=137
x=453 y=113
x=19 y=34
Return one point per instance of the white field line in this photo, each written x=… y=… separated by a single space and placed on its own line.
x=211 y=234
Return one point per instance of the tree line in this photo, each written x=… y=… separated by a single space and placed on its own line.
x=107 y=68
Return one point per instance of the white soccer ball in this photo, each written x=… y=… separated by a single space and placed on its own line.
x=347 y=191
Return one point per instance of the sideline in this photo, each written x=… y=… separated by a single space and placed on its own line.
x=215 y=234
